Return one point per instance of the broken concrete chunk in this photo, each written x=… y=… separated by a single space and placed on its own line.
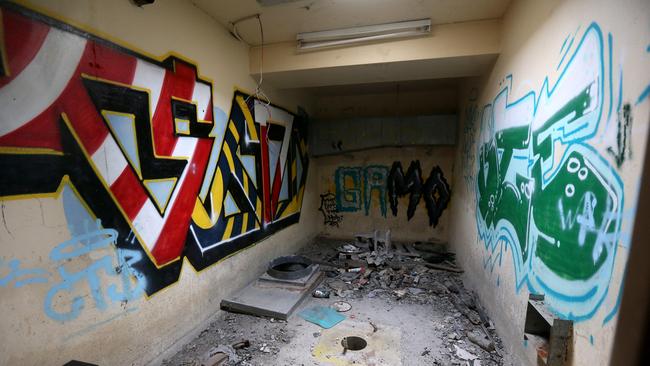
x=464 y=355
x=451 y=286
x=265 y=348
x=473 y=317
x=375 y=293
x=480 y=340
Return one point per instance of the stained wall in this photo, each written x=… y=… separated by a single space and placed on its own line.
x=549 y=162
x=141 y=182
x=356 y=188
x=359 y=187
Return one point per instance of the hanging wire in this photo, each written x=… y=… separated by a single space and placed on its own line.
x=258 y=93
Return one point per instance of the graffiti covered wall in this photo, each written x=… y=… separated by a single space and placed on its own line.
x=129 y=161
x=372 y=191
x=550 y=179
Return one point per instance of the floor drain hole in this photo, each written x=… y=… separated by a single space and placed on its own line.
x=354 y=343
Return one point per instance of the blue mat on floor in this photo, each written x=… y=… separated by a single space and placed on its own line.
x=324 y=316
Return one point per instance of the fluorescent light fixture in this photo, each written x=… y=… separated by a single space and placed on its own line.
x=312 y=41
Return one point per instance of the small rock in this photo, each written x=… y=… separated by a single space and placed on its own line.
x=265 y=348
x=321 y=293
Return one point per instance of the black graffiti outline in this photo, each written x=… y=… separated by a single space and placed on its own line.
x=623 y=149
x=328 y=208
x=435 y=190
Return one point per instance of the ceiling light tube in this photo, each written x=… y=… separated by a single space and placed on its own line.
x=340 y=37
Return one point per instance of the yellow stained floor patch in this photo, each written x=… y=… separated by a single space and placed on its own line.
x=383 y=345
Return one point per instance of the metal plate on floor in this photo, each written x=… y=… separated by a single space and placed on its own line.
x=271 y=298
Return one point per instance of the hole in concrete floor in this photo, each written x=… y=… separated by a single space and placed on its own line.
x=353 y=343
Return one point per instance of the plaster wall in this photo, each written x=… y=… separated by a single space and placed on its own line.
x=83 y=319
x=518 y=210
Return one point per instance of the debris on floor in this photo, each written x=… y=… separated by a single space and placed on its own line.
x=341 y=306
x=411 y=293
x=324 y=316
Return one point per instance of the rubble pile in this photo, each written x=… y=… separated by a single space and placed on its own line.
x=365 y=270
x=419 y=273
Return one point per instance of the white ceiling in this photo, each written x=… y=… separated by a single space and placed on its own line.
x=282 y=22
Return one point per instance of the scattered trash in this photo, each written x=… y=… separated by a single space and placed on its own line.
x=398 y=274
x=341 y=306
x=324 y=316
x=321 y=293
x=463 y=354
x=348 y=248
x=374 y=327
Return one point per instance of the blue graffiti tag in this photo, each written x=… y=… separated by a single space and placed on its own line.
x=355 y=187
x=84 y=244
x=35 y=275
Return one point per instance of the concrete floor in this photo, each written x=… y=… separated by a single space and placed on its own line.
x=418 y=326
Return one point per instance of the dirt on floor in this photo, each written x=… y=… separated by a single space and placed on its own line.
x=407 y=302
